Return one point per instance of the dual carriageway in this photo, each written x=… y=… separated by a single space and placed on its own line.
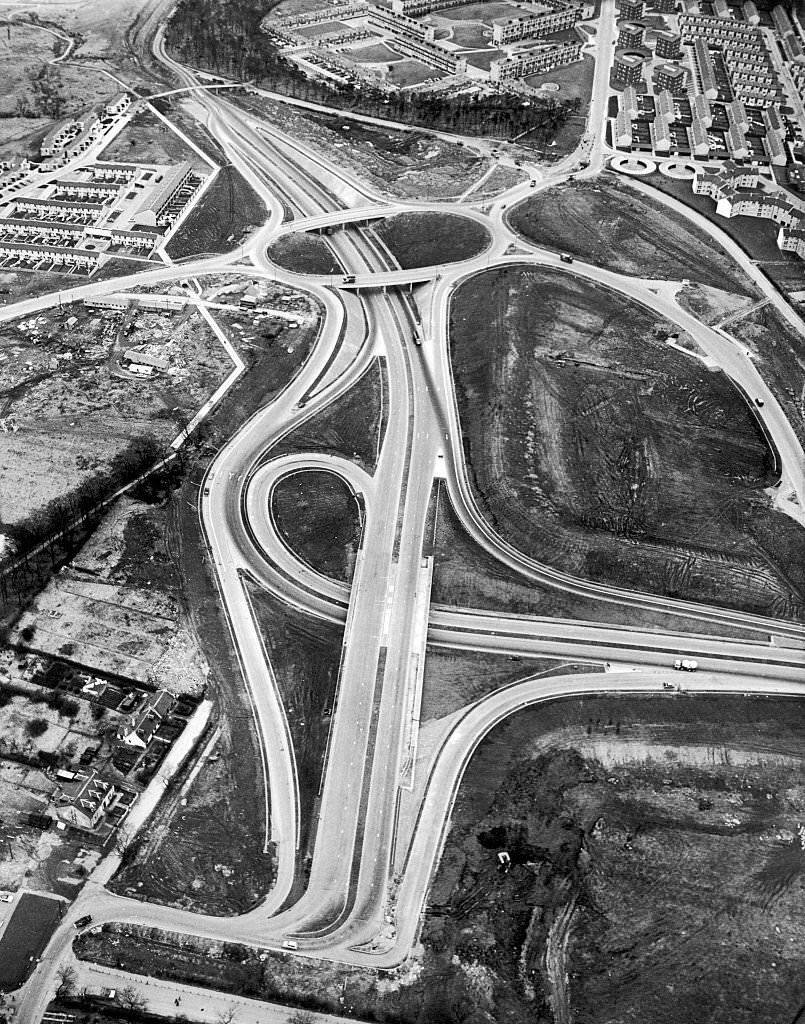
x=368 y=878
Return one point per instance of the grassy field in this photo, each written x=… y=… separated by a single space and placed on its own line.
x=404 y=73
x=575 y=80
x=227 y=212
x=429 y=239
x=304 y=253
x=305 y=655
x=318 y=516
x=26 y=935
x=147 y=139
x=615 y=457
x=375 y=54
x=605 y=223
x=672 y=871
x=352 y=427
x=454 y=678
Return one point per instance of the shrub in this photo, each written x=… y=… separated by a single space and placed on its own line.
x=27 y=633
x=37 y=727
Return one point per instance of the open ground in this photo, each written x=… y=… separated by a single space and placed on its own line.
x=641 y=470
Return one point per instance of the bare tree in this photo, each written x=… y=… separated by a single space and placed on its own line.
x=302 y=1017
x=131 y=999
x=227 y=1016
x=66 y=978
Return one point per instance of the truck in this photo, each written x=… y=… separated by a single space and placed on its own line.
x=349 y=279
x=82 y=922
x=686 y=664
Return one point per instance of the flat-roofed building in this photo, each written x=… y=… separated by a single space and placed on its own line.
x=721 y=9
x=543 y=22
x=672 y=77
x=792 y=239
x=534 y=62
x=668 y=45
x=631 y=34
x=631 y=10
x=628 y=67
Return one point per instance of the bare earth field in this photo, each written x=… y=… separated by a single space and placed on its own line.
x=466 y=575
x=603 y=805
x=66 y=400
x=608 y=224
x=222 y=218
x=410 y=165
x=114 y=614
x=616 y=457
x=655 y=874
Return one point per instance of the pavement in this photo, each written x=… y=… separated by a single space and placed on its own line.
x=347 y=912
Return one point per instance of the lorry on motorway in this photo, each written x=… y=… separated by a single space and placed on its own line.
x=686 y=664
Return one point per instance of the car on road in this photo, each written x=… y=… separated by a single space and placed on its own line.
x=82 y=922
x=349 y=278
x=533 y=183
x=759 y=402
x=565 y=257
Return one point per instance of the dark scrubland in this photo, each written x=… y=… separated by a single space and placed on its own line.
x=353 y=426
x=305 y=655
x=606 y=223
x=319 y=517
x=428 y=239
x=304 y=253
x=613 y=456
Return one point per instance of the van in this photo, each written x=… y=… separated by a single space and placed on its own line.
x=290 y=944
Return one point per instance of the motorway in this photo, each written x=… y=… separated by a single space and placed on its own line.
x=347 y=912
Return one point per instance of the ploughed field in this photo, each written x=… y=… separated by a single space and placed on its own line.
x=595 y=447
x=655 y=869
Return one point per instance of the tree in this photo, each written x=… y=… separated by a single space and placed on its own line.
x=66 y=978
x=37 y=727
x=227 y=1016
x=302 y=1017
x=131 y=999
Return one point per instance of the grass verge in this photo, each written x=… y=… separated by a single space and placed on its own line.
x=304 y=253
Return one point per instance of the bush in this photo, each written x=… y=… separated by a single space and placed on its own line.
x=37 y=727
x=68 y=708
x=27 y=633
